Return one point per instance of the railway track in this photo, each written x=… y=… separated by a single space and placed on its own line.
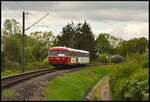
x=11 y=80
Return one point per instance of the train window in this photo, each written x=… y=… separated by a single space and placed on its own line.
x=71 y=53
x=65 y=53
x=78 y=54
x=53 y=53
x=75 y=54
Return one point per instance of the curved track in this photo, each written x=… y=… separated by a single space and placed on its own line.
x=11 y=80
x=7 y=81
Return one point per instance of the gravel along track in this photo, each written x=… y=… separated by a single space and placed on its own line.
x=31 y=90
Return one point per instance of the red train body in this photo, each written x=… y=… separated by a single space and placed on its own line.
x=62 y=56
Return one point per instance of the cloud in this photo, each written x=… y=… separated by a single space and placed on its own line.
x=127 y=31
x=99 y=11
x=121 y=19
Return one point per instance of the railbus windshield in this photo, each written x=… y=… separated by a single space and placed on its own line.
x=59 y=53
x=62 y=53
x=53 y=53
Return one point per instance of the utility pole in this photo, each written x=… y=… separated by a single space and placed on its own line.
x=23 y=34
x=23 y=31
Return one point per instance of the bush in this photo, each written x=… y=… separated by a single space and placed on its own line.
x=103 y=58
x=141 y=58
x=129 y=81
x=117 y=59
x=134 y=88
x=145 y=63
x=39 y=65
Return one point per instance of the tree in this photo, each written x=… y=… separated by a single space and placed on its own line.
x=43 y=41
x=11 y=27
x=11 y=43
x=135 y=45
x=78 y=37
x=103 y=44
x=141 y=45
x=13 y=48
x=66 y=37
x=86 y=39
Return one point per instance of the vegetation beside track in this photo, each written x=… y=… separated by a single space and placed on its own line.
x=74 y=86
x=130 y=81
x=30 y=67
x=8 y=93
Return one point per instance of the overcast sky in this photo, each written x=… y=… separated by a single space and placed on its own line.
x=121 y=19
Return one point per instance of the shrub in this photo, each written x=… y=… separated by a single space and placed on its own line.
x=145 y=63
x=141 y=58
x=117 y=59
x=134 y=88
x=103 y=58
x=129 y=81
x=39 y=65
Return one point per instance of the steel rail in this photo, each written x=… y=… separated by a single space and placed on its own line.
x=10 y=80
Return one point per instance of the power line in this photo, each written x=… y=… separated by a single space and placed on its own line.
x=27 y=10
x=37 y=21
x=22 y=6
x=44 y=24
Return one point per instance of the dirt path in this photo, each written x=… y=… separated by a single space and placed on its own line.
x=105 y=91
x=101 y=91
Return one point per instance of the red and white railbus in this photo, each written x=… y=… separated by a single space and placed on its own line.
x=63 y=56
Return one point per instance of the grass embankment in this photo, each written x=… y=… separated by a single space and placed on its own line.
x=30 y=67
x=74 y=86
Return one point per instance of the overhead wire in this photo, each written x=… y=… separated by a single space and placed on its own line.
x=30 y=13
x=25 y=9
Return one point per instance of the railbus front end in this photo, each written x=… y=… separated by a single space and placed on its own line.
x=61 y=57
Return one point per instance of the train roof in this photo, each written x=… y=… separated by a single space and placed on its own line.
x=70 y=49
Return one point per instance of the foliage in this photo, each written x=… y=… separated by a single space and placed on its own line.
x=73 y=84
x=87 y=40
x=106 y=43
x=129 y=81
x=78 y=37
x=13 y=48
x=43 y=41
x=135 y=45
x=2 y=58
x=117 y=59
x=11 y=27
x=9 y=93
x=66 y=38
x=142 y=58
x=11 y=43
x=38 y=65
x=10 y=71
x=103 y=58
x=103 y=45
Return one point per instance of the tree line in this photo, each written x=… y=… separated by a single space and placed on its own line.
x=79 y=36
